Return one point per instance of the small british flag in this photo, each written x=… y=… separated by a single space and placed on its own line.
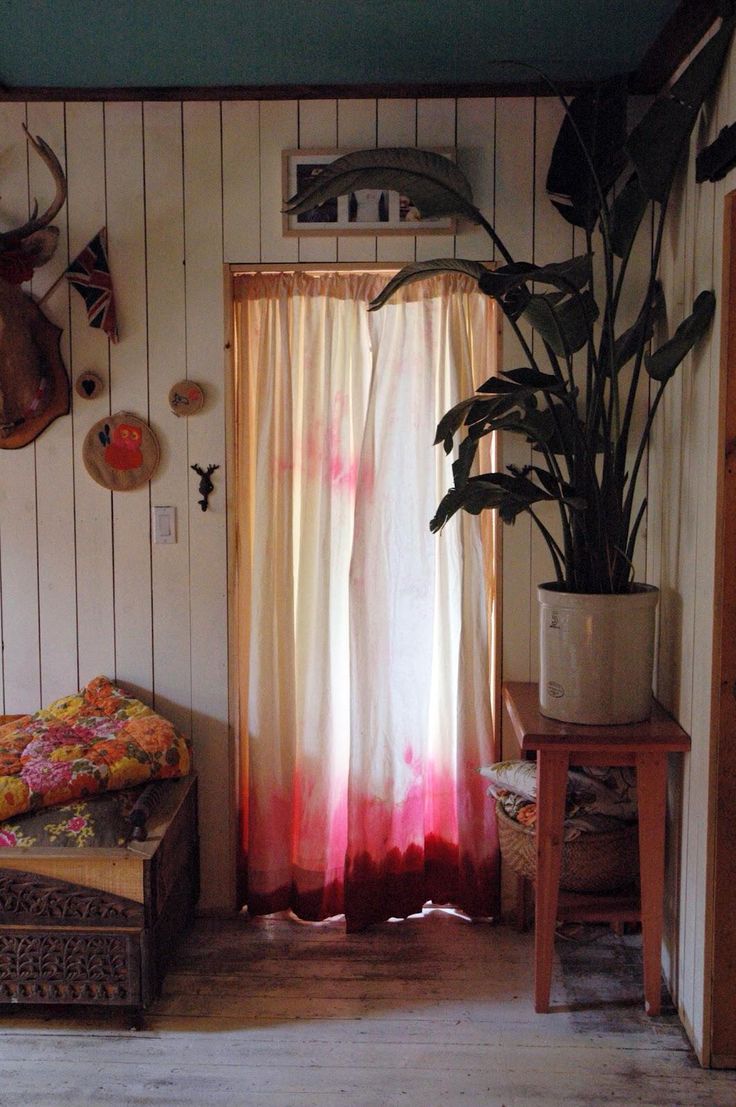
x=89 y=273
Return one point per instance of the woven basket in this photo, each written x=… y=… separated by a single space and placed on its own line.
x=591 y=863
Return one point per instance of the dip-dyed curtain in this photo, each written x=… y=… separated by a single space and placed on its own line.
x=363 y=638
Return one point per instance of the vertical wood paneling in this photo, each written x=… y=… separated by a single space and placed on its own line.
x=208 y=530
x=681 y=557
x=18 y=529
x=129 y=390
x=697 y=657
x=514 y=200
x=397 y=126
x=279 y=130
x=435 y=127
x=167 y=363
x=356 y=129
x=87 y=213
x=476 y=152
x=54 y=457
x=318 y=129
x=241 y=181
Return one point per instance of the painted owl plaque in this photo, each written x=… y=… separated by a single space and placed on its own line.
x=121 y=452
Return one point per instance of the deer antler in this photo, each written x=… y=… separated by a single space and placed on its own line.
x=38 y=222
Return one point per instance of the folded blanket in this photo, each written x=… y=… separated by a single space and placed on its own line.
x=98 y=740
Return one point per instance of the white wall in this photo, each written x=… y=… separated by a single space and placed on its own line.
x=184 y=188
x=684 y=462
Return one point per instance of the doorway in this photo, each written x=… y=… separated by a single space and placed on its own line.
x=366 y=647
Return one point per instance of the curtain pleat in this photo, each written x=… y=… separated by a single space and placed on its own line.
x=365 y=639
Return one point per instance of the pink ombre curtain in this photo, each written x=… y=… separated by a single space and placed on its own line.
x=363 y=638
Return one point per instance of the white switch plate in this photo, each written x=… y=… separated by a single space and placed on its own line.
x=164 y=525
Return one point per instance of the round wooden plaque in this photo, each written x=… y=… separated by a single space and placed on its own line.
x=186 y=398
x=88 y=385
x=121 y=452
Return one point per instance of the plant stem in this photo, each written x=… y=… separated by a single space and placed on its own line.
x=495 y=239
x=555 y=551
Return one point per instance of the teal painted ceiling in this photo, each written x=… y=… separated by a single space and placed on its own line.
x=194 y=43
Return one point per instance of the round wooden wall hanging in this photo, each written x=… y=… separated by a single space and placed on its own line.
x=121 y=452
x=186 y=398
x=88 y=385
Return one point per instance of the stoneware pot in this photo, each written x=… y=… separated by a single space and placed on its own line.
x=596 y=655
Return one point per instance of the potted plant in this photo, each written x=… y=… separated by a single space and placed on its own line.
x=575 y=398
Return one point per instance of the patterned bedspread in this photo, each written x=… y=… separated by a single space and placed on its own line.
x=98 y=740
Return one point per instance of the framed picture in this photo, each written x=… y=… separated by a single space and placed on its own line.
x=365 y=211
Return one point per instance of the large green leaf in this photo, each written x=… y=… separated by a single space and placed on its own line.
x=510 y=494
x=434 y=183
x=566 y=323
x=575 y=273
x=521 y=381
x=475 y=496
x=627 y=212
x=421 y=270
x=630 y=342
x=481 y=411
x=662 y=364
x=558 y=430
x=658 y=142
x=598 y=117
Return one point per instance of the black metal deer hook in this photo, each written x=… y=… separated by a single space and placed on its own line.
x=206 y=487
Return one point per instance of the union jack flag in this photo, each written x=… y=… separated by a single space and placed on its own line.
x=89 y=273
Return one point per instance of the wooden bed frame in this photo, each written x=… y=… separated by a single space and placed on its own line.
x=98 y=926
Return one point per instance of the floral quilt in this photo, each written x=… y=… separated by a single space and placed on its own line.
x=100 y=821
x=98 y=740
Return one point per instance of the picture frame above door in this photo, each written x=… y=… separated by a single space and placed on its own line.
x=365 y=211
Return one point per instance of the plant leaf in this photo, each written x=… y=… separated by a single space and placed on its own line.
x=434 y=183
x=629 y=343
x=658 y=142
x=533 y=379
x=662 y=364
x=575 y=273
x=565 y=324
x=420 y=270
x=465 y=458
x=476 y=495
x=451 y=421
x=627 y=212
x=599 y=114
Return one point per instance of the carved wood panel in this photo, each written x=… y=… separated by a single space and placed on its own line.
x=63 y=967
x=28 y=897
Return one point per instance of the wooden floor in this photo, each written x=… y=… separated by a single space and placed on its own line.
x=434 y=1011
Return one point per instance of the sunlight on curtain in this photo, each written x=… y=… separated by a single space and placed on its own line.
x=364 y=638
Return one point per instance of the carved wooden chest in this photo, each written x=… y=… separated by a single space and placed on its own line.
x=97 y=926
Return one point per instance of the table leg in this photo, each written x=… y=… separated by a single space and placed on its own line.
x=552 y=766
x=651 y=770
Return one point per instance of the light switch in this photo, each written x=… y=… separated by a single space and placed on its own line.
x=164 y=525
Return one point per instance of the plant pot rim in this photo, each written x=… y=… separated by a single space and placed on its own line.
x=635 y=589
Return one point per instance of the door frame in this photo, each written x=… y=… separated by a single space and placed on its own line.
x=720 y=1043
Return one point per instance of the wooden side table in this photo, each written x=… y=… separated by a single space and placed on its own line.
x=560 y=745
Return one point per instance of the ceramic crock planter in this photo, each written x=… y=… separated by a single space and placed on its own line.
x=596 y=655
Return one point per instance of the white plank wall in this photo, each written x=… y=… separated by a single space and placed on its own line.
x=681 y=556
x=184 y=188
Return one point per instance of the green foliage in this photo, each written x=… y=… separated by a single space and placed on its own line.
x=573 y=404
